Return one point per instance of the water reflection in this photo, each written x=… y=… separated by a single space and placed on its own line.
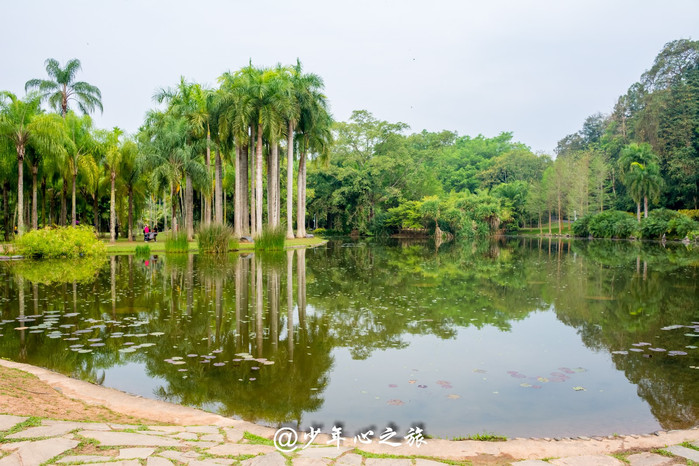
x=217 y=333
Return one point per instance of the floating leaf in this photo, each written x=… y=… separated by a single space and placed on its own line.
x=579 y=389
x=127 y=350
x=395 y=402
x=525 y=385
x=412 y=381
x=219 y=364
x=542 y=379
x=642 y=343
x=677 y=353
x=479 y=371
x=691 y=335
x=392 y=385
x=453 y=396
x=422 y=386
x=566 y=370
x=620 y=352
x=636 y=350
x=579 y=369
x=672 y=327
x=657 y=350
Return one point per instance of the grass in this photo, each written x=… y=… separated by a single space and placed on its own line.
x=271 y=239
x=256 y=439
x=534 y=231
x=484 y=437
x=122 y=246
x=215 y=239
x=142 y=250
x=177 y=243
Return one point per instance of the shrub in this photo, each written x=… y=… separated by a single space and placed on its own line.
x=319 y=231
x=681 y=225
x=612 y=224
x=61 y=242
x=214 y=238
x=691 y=213
x=658 y=223
x=177 y=242
x=271 y=239
x=581 y=227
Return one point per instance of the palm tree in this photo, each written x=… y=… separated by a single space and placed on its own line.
x=641 y=174
x=80 y=143
x=130 y=174
x=62 y=88
x=112 y=161
x=22 y=123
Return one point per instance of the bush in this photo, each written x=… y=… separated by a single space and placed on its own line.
x=657 y=223
x=177 y=242
x=691 y=213
x=612 y=224
x=61 y=242
x=143 y=250
x=319 y=231
x=214 y=238
x=271 y=239
x=581 y=227
x=680 y=226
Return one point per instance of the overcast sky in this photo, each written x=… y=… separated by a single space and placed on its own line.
x=535 y=68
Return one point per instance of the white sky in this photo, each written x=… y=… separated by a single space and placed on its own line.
x=536 y=68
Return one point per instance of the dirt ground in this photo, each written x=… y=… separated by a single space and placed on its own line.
x=23 y=394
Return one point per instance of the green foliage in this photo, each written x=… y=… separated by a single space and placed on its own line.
x=60 y=271
x=691 y=213
x=667 y=222
x=271 y=239
x=581 y=227
x=142 y=250
x=60 y=242
x=319 y=231
x=681 y=225
x=214 y=238
x=612 y=224
x=177 y=243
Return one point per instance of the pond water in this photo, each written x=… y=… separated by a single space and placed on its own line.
x=518 y=337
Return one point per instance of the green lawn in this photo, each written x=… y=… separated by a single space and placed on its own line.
x=567 y=230
x=122 y=246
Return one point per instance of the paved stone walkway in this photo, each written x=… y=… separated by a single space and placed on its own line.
x=66 y=442
x=193 y=437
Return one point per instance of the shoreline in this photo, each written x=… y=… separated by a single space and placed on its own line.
x=450 y=450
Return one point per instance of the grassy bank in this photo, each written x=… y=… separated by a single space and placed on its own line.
x=122 y=246
x=567 y=230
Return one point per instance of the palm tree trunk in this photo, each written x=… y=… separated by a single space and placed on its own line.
x=258 y=181
x=173 y=203
x=73 y=215
x=253 y=192
x=95 y=211
x=244 y=201
x=64 y=210
x=5 y=211
x=638 y=211
x=112 y=209
x=645 y=206
x=300 y=197
x=189 y=207
x=130 y=237
x=219 y=189
x=237 y=193
x=273 y=183
x=207 y=199
x=43 y=201
x=35 y=210
x=549 y=222
x=20 y=190
x=290 y=182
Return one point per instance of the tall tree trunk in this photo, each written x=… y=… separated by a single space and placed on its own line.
x=43 y=201
x=253 y=190
x=35 y=189
x=5 y=211
x=273 y=183
x=258 y=181
x=173 y=202
x=73 y=215
x=219 y=189
x=20 y=190
x=244 y=193
x=300 y=197
x=130 y=237
x=550 y=222
x=290 y=182
x=189 y=209
x=237 y=196
x=64 y=210
x=290 y=303
x=645 y=206
x=207 y=199
x=560 y=220
x=95 y=211
x=112 y=208
x=638 y=211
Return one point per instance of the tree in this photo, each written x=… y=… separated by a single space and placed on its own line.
x=641 y=174
x=112 y=162
x=22 y=122
x=62 y=88
x=80 y=143
x=130 y=174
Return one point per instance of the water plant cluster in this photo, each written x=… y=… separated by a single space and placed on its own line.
x=658 y=223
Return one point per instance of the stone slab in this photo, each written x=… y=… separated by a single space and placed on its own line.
x=234 y=435
x=11 y=460
x=684 y=452
x=119 y=463
x=54 y=429
x=587 y=460
x=179 y=456
x=218 y=438
x=158 y=461
x=7 y=422
x=202 y=429
x=130 y=439
x=322 y=452
x=129 y=453
x=211 y=462
x=167 y=429
x=349 y=460
x=650 y=459
x=84 y=459
x=387 y=462
x=42 y=450
x=185 y=436
x=77 y=425
x=312 y=461
x=270 y=459
x=530 y=463
x=237 y=449
x=424 y=462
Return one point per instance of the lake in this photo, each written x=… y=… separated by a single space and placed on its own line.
x=518 y=337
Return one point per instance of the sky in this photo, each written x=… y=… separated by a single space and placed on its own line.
x=533 y=68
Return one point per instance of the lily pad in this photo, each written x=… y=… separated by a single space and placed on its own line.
x=525 y=385
x=395 y=402
x=620 y=352
x=677 y=353
x=579 y=389
x=657 y=350
x=453 y=396
x=672 y=327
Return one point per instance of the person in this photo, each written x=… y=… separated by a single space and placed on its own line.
x=146 y=230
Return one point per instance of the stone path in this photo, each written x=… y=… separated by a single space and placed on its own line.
x=26 y=441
